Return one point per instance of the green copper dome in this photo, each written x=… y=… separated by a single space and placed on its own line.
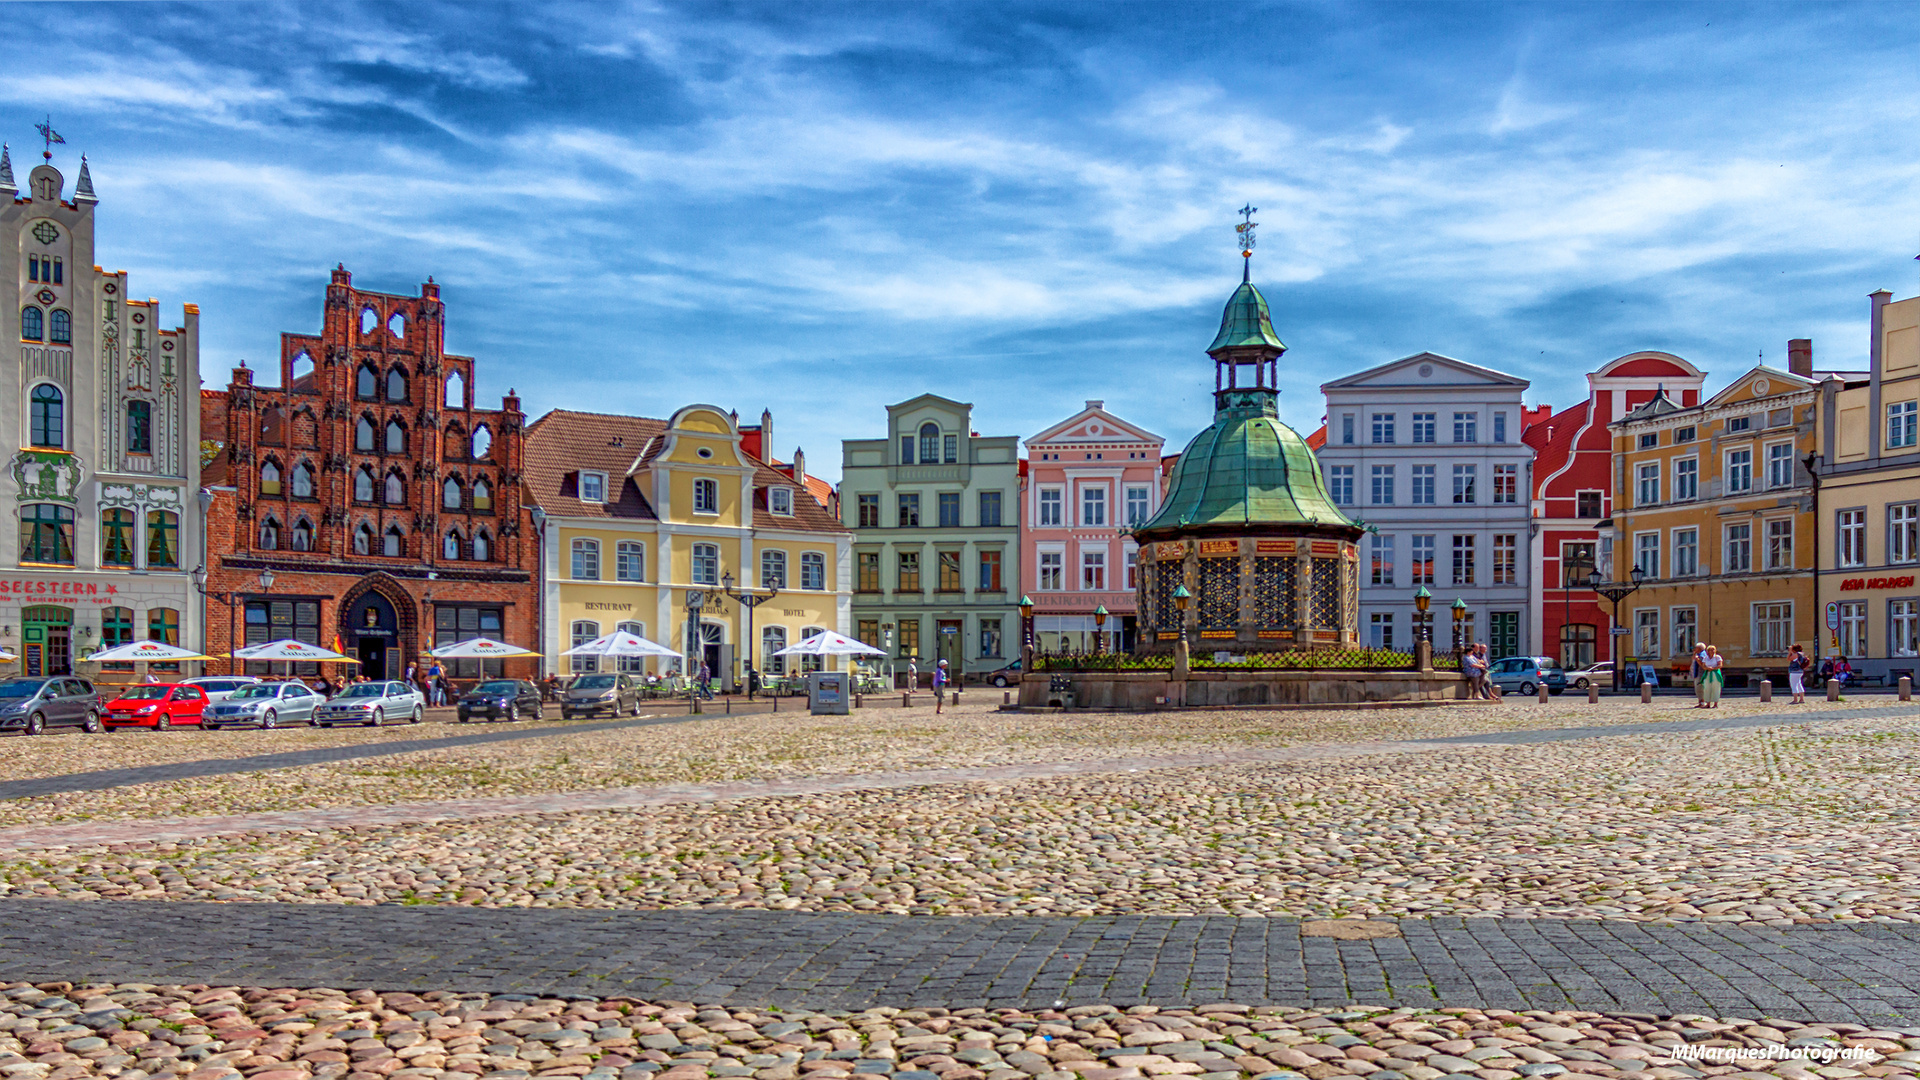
x=1246 y=469
x=1246 y=323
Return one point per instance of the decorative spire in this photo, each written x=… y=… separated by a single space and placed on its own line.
x=83 y=190
x=1245 y=236
x=7 y=186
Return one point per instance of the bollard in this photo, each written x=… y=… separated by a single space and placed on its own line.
x=1833 y=689
x=1906 y=688
x=1543 y=693
x=1766 y=691
x=776 y=703
x=956 y=698
x=906 y=698
x=1646 y=693
x=729 y=704
x=856 y=701
x=1593 y=693
x=1006 y=697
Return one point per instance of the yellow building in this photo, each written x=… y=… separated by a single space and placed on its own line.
x=1869 y=498
x=636 y=514
x=1714 y=505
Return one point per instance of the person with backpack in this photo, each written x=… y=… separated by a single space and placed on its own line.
x=1797 y=674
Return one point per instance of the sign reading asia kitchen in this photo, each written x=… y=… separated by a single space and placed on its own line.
x=1858 y=583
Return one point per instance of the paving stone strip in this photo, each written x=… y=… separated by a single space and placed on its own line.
x=176 y=829
x=822 y=961
x=102 y=779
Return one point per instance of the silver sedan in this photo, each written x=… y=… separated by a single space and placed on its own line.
x=266 y=705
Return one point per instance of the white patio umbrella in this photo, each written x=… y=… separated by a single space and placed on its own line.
x=144 y=650
x=480 y=649
x=287 y=649
x=5 y=655
x=828 y=643
x=621 y=643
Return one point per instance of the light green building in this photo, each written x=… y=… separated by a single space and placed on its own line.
x=935 y=510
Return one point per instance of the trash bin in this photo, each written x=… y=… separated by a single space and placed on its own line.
x=827 y=693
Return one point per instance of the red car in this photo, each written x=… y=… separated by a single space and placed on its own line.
x=157 y=705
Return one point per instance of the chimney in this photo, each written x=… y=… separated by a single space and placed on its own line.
x=766 y=431
x=1800 y=357
x=1096 y=404
x=799 y=464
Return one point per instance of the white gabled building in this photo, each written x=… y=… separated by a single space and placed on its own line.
x=1426 y=452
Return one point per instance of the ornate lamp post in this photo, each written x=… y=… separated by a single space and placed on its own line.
x=1422 y=622
x=199 y=577
x=1616 y=591
x=1100 y=629
x=1459 y=625
x=1181 y=657
x=749 y=599
x=1026 y=634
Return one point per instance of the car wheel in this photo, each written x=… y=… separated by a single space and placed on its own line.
x=1527 y=689
x=269 y=721
x=463 y=717
x=539 y=711
x=1580 y=684
x=1000 y=681
x=513 y=712
x=379 y=718
x=93 y=726
x=162 y=722
x=36 y=724
x=416 y=715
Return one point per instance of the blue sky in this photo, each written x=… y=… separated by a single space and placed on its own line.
x=821 y=209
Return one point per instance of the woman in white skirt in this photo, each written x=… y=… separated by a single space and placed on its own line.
x=1797 y=674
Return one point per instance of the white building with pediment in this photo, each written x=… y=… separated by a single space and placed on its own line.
x=101 y=523
x=1426 y=453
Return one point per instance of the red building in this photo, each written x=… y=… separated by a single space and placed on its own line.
x=387 y=507
x=1573 y=498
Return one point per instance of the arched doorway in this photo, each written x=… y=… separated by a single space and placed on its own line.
x=371 y=632
x=713 y=649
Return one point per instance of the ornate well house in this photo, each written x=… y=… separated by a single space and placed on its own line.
x=386 y=506
x=104 y=428
x=1248 y=528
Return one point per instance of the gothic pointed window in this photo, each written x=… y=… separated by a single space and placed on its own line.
x=363 y=484
x=393 y=544
x=397 y=384
x=303 y=481
x=395 y=490
x=396 y=438
x=450 y=545
x=366 y=384
x=482 y=547
x=269 y=534
x=363 y=434
x=450 y=494
x=482 y=494
x=363 y=539
x=369 y=319
x=270 y=478
x=482 y=443
x=303 y=535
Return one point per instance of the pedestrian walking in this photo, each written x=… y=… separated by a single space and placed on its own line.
x=438 y=684
x=1713 y=677
x=939 y=685
x=1797 y=674
x=706 y=689
x=913 y=676
x=1697 y=672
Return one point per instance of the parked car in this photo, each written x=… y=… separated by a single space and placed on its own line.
x=498 y=698
x=34 y=705
x=1601 y=674
x=372 y=704
x=265 y=705
x=221 y=687
x=157 y=705
x=1005 y=676
x=1524 y=674
x=591 y=694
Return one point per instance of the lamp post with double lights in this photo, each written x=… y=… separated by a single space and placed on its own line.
x=199 y=577
x=1616 y=591
x=749 y=599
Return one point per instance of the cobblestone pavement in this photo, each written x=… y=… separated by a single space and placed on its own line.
x=1864 y=975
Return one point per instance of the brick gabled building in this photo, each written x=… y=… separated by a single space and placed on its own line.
x=388 y=508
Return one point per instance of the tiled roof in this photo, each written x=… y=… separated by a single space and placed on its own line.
x=562 y=443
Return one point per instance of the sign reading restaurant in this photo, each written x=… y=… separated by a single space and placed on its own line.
x=1855 y=584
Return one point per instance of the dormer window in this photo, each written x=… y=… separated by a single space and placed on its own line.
x=706 y=496
x=593 y=487
x=780 y=500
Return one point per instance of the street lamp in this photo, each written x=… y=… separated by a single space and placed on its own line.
x=1422 y=622
x=1459 y=624
x=749 y=599
x=199 y=578
x=1099 y=629
x=1026 y=633
x=1616 y=591
x=1181 y=656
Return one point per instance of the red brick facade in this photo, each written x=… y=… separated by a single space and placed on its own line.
x=338 y=482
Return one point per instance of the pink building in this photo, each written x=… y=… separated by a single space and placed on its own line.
x=1087 y=481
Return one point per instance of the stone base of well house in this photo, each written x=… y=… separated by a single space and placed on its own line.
x=1148 y=690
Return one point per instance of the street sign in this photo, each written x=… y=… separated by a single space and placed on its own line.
x=1621 y=631
x=1833 y=615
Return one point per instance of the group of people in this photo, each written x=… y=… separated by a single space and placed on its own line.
x=1709 y=679
x=1475 y=663
x=1833 y=669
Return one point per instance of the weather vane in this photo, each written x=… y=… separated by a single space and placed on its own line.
x=1244 y=230
x=52 y=136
